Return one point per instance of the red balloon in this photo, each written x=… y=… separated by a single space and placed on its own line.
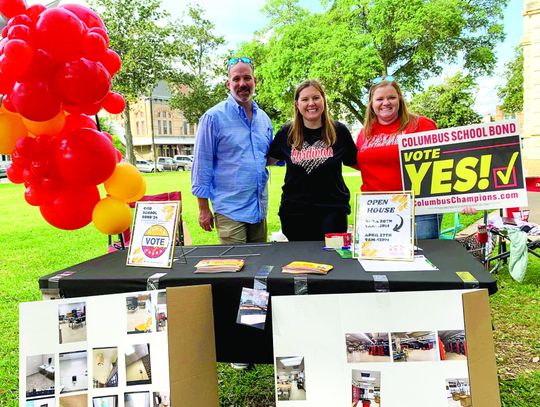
x=6 y=101
x=20 y=32
x=91 y=109
x=10 y=8
x=84 y=157
x=28 y=148
x=94 y=46
x=114 y=103
x=78 y=121
x=19 y=159
x=102 y=33
x=20 y=19
x=7 y=81
x=42 y=66
x=86 y=15
x=83 y=82
x=35 y=100
x=5 y=31
x=119 y=156
x=61 y=33
x=18 y=54
x=15 y=173
x=71 y=209
x=34 y=11
x=111 y=61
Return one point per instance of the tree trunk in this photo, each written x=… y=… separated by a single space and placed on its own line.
x=130 y=154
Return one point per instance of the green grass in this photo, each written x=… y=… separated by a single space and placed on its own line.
x=30 y=248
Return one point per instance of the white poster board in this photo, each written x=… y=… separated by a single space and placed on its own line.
x=153 y=234
x=109 y=350
x=384 y=226
x=330 y=350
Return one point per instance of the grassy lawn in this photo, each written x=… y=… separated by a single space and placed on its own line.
x=30 y=248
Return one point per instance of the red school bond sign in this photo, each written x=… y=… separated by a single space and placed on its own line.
x=478 y=166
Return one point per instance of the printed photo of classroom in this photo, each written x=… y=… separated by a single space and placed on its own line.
x=139 y=311
x=458 y=393
x=72 y=322
x=291 y=381
x=105 y=401
x=366 y=388
x=161 y=399
x=75 y=400
x=161 y=312
x=137 y=399
x=39 y=375
x=105 y=367
x=41 y=402
x=138 y=369
x=73 y=370
x=368 y=347
x=452 y=345
x=414 y=346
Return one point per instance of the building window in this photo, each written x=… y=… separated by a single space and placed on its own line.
x=138 y=128
x=159 y=126
x=170 y=126
x=164 y=127
x=185 y=128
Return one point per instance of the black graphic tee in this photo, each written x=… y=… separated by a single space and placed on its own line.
x=314 y=178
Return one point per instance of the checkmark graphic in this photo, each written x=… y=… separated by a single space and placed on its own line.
x=504 y=175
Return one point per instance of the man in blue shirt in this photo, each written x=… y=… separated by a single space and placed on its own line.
x=229 y=164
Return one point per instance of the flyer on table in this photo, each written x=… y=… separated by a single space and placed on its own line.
x=384 y=226
x=153 y=234
x=477 y=166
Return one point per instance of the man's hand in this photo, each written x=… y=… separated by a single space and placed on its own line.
x=469 y=210
x=206 y=219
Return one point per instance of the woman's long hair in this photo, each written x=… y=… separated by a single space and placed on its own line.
x=405 y=117
x=295 y=137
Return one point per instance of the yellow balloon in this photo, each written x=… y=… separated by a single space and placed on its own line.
x=112 y=216
x=11 y=129
x=49 y=127
x=139 y=194
x=125 y=182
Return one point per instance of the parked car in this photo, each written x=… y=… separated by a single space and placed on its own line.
x=3 y=168
x=167 y=164
x=145 y=165
x=184 y=161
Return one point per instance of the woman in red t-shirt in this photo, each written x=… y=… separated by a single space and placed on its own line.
x=387 y=116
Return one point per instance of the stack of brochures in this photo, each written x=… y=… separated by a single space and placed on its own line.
x=306 y=267
x=219 y=265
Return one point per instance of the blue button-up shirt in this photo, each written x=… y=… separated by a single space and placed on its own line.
x=229 y=163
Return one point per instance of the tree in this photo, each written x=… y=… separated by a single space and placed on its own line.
x=143 y=37
x=354 y=41
x=196 y=90
x=512 y=92
x=449 y=104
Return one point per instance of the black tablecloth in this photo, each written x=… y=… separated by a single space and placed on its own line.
x=108 y=274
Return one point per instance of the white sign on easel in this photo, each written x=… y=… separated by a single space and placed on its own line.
x=383 y=226
x=153 y=234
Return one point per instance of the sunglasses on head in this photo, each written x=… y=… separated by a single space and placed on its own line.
x=379 y=79
x=235 y=60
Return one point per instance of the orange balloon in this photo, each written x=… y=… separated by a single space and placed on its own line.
x=49 y=127
x=125 y=182
x=139 y=194
x=112 y=216
x=11 y=129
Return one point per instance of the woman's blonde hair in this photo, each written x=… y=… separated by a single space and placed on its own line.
x=295 y=136
x=405 y=117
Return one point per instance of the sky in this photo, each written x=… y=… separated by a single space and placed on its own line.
x=237 y=20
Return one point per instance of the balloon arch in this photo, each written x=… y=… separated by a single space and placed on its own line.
x=55 y=73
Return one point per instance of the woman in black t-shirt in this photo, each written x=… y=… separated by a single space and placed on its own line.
x=315 y=199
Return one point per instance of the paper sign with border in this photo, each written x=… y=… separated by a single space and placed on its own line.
x=384 y=225
x=153 y=234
